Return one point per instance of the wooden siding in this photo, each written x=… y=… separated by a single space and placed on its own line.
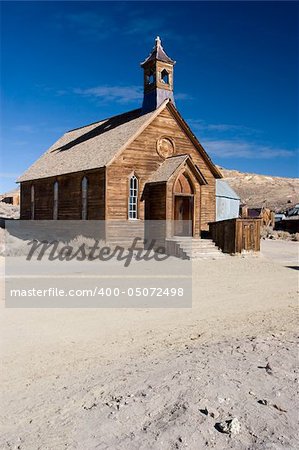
x=69 y=196
x=25 y=201
x=96 y=195
x=118 y=232
x=237 y=235
x=155 y=202
x=141 y=157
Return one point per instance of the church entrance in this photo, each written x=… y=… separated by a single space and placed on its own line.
x=183 y=206
x=183 y=215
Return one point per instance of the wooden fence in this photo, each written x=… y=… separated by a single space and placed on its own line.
x=236 y=235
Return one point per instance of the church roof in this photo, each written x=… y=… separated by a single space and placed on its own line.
x=167 y=168
x=88 y=147
x=158 y=54
x=95 y=145
x=171 y=165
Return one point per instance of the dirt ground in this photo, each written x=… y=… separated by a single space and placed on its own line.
x=161 y=378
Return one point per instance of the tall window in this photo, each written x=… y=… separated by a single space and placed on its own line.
x=32 y=201
x=133 y=198
x=55 y=205
x=84 y=193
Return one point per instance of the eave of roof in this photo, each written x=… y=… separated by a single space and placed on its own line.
x=171 y=166
x=168 y=103
x=167 y=169
x=195 y=141
x=97 y=145
x=88 y=147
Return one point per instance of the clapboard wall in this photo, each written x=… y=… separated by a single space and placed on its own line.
x=69 y=196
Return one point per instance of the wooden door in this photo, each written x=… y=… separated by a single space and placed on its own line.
x=248 y=237
x=183 y=215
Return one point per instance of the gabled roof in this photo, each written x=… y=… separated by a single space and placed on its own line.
x=195 y=141
x=167 y=168
x=89 y=147
x=98 y=144
x=223 y=189
x=171 y=165
x=158 y=54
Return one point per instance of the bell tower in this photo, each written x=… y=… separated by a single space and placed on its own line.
x=158 y=78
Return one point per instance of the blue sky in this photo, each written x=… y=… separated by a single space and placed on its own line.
x=66 y=64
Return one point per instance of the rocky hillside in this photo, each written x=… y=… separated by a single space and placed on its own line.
x=261 y=190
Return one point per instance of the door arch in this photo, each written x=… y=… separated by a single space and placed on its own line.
x=183 y=205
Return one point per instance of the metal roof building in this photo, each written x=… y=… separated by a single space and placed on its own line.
x=227 y=201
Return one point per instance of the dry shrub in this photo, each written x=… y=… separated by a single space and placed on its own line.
x=284 y=235
x=266 y=232
x=269 y=233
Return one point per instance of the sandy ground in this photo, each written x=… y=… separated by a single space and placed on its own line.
x=161 y=379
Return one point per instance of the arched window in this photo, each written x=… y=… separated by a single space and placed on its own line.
x=32 y=201
x=84 y=194
x=55 y=203
x=133 y=198
x=165 y=76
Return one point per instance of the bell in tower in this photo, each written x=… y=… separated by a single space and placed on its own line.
x=158 y=78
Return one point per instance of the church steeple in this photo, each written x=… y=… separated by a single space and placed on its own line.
x=158 y=78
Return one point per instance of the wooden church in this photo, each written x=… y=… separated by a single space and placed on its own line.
x=142 y=164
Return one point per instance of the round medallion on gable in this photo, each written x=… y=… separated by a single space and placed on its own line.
x=165 y=147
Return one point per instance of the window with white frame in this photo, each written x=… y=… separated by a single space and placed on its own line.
x=32 y=201
x=133 y=198
x=55 y=204
x=84 y=193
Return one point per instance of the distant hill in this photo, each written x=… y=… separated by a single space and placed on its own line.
x=262 y=190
